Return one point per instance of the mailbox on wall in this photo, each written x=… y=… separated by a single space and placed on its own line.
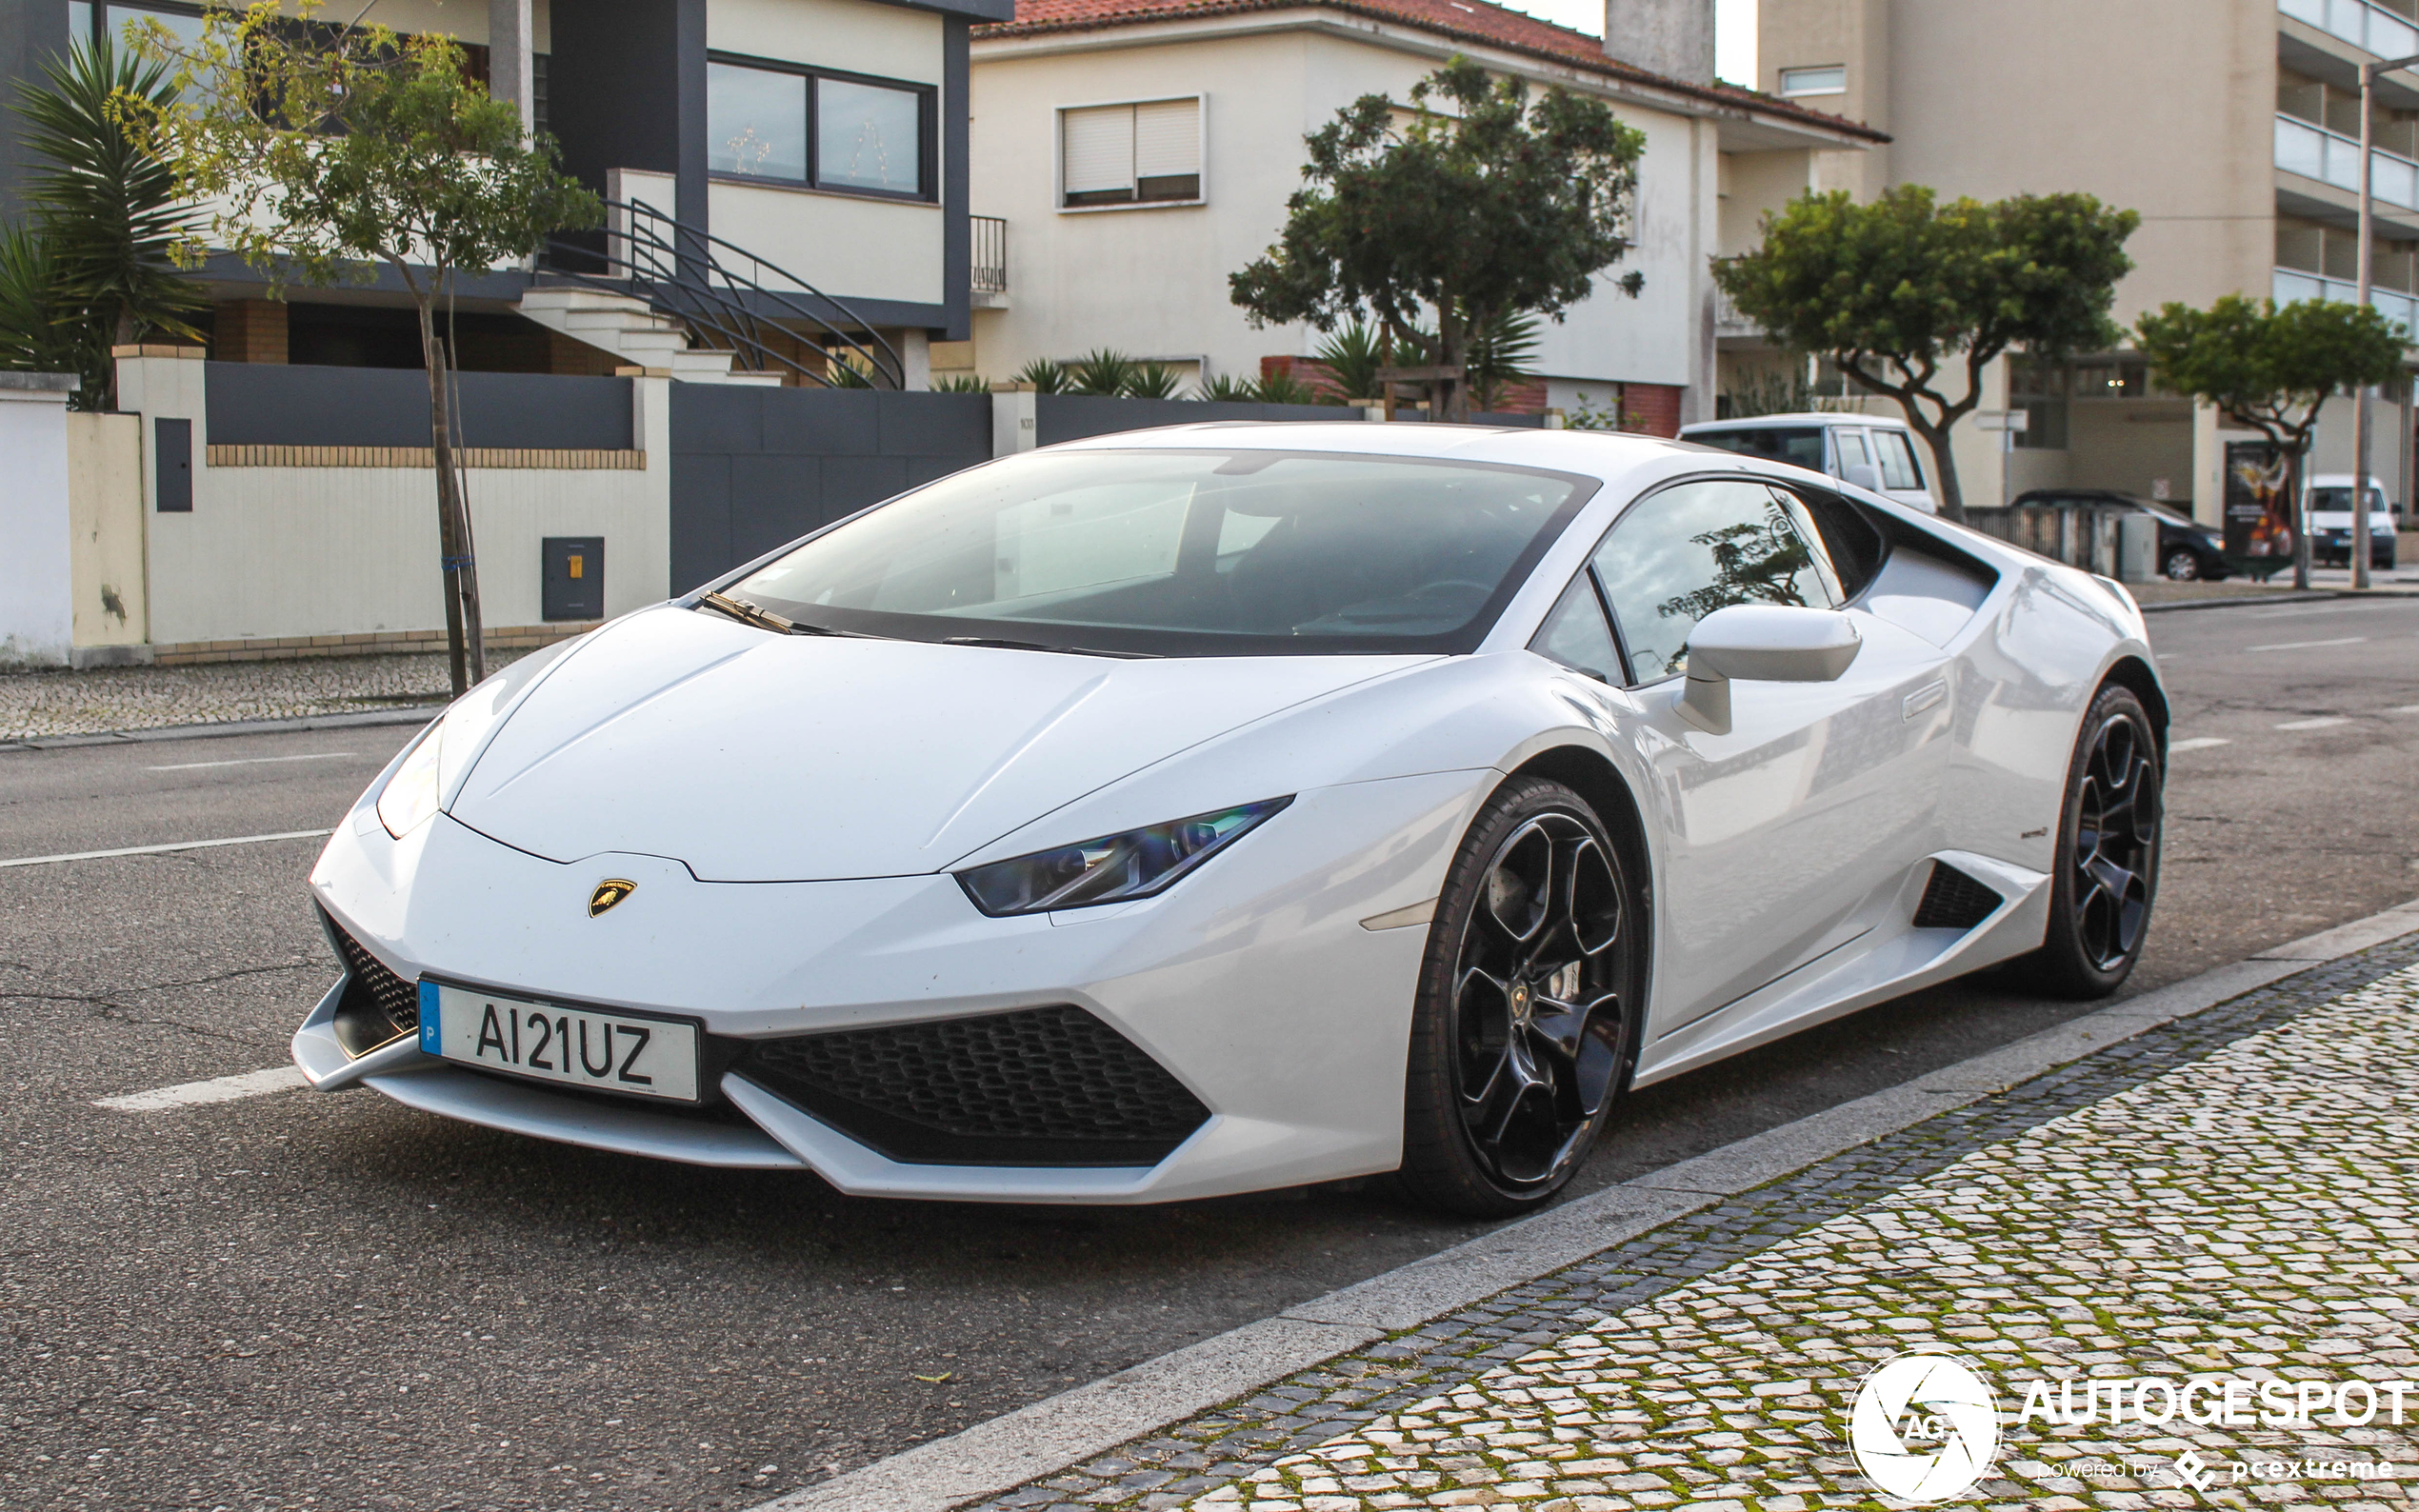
x=575 y=585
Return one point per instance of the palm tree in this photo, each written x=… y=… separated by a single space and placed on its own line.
x=107 y=212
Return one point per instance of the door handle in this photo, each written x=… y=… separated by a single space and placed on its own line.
x=1926 y=697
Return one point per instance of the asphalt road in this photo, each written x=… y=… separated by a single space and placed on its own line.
x=298 y=1299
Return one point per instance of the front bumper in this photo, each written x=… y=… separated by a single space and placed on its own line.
x=1253 y=983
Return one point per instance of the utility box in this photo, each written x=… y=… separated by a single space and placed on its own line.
x=574 y=581
x=2137 y=547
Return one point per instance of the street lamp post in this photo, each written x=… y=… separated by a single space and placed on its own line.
x=2361 y=425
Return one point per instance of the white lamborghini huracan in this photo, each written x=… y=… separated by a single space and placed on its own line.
x=1224 y=807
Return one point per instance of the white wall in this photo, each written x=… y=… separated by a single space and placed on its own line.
x=1151 y=281
x=37 y=613
x=847 y=247
x=287 y=551
x=888 y=42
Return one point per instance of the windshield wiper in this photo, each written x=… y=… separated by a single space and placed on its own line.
x=997 y=644
x=763 y=619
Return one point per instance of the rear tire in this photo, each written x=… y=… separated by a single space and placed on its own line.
x=2106 y=874
x=1525 y=1029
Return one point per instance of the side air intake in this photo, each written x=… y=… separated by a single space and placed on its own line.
x=378 y=1007
x=1954 y=901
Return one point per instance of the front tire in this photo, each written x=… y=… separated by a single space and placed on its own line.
x=2107 y=871
x=1525 y=1026
x=2183 y=566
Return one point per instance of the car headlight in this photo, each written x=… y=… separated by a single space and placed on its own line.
x=1114 y=869
x=410 y=795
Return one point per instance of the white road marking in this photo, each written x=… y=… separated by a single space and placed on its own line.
x=253 y=760
x=155 y=851
x=2320 y=723
x=2304 y=646
x=2198 y=743
x=217 y=1089
x=2406 y=708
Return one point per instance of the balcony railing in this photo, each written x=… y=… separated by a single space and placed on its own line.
x=2290 y=284
x=2315 y=153
x=2373 y=28
x=991 y=255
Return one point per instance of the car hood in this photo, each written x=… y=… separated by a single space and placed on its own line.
x=754 y=757
x=2341 y=520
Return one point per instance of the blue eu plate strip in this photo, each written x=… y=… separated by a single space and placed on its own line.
x=431 y=1032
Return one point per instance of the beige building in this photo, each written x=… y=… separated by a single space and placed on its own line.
x=2231 y=125
x=1130 y=154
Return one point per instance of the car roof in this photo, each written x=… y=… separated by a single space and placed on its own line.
x=1803 y=417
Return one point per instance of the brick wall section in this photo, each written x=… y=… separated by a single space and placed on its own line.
x=1651 y=409
x=249 y=331
x=385 y=643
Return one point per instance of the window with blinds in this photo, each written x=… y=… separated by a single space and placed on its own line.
x=1130 y=154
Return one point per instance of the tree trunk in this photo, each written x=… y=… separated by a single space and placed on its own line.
x=1944 y=467
x=1451 y=338
x=451 y=544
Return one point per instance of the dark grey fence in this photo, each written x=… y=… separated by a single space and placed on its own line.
x=1071 y=417
x=753 y=468
x=274 y=405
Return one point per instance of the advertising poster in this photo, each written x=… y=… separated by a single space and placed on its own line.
x=2260 y=489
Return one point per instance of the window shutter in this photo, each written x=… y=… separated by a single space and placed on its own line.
x=1167 y=139
x=1100 y=151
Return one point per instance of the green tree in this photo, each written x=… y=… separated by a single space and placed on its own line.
x=2272 y=368
x=330 y=152
x=1913 y=299
x=1487 y=208
x=96 y=266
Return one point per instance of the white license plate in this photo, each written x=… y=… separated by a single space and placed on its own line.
x=609 y=1052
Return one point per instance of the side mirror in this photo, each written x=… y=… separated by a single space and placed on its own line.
x=1767 y=642
x=1864 y=475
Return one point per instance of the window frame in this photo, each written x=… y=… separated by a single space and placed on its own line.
x=1201 y=155
x=1781 y=77
x=927 y=119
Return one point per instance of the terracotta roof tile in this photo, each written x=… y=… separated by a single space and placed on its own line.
x=1466 y=20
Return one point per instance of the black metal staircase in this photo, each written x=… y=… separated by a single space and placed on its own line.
x=770 y=319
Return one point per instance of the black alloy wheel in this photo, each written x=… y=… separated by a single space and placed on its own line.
x=2107 y=872
x=1525 y=1026
x=2183 y=566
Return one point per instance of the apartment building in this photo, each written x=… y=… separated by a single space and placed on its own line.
x=816 y=149
x=2231 y=125
x=1130 y=154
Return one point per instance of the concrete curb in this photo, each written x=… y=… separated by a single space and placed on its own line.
x=2280 y=596
x=407 y=714
x=1074 y=1426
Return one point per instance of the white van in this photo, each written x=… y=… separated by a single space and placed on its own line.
x=1867 y=451
x=2331 y=521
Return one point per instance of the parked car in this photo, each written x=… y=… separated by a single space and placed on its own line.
x=2331 y=521
x=1204 y=810
x=2188 y=551
x=1870 y=452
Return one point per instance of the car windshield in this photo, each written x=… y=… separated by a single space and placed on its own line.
x=1206 y=552
x=2338 y=501
x=1802 y=445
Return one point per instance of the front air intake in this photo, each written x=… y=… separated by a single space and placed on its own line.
x=1954 y=901
x=378 y=1007
x=1038 y=1087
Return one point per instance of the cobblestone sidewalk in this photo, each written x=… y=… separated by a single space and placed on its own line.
x=2235 y=1195
x=33 y=705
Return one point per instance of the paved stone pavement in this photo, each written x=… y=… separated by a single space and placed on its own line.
x=2234 y=1195
x=33 y=705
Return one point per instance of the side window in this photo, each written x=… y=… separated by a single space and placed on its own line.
x=1851 y=450
x=1678 y=555
x=1575 y=634
x=1847 y=537
x=1897 y=460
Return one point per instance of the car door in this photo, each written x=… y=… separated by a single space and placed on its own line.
x=1779 y=834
